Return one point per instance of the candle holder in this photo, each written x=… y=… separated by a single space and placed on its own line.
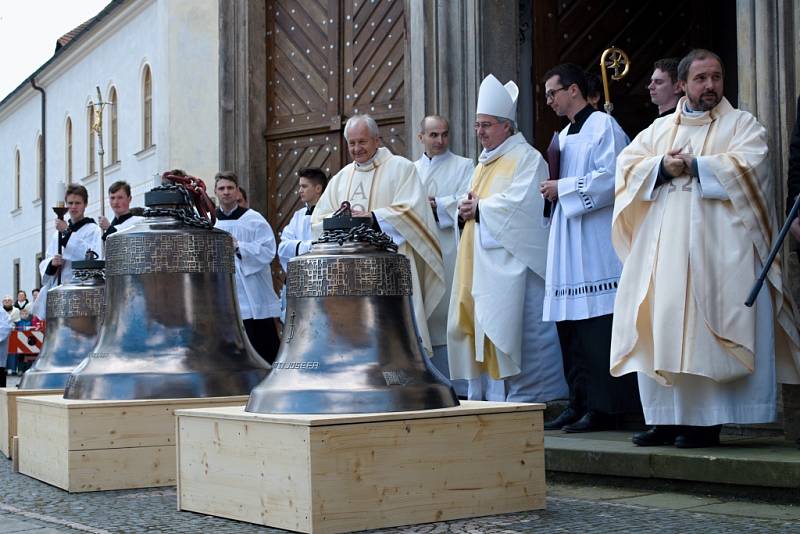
x=60 y=210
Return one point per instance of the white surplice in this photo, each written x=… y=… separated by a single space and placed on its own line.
x=295 y=237
x=87 y=237
x=254 y=289
x=582 y=267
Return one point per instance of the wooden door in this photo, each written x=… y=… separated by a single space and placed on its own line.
x=577 y=31
x=327 y=61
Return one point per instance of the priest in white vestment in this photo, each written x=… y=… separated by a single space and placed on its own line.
x=119 y=197
x=254 y=246
x=496 y=337
x=387 y=188
x=694 y=221
x=78 y=235
x=446 y=179
x=582 y=267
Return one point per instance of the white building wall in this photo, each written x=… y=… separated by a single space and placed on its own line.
x=20 y=124
x=178 y=40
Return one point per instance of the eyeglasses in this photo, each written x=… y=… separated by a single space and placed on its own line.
x=551 y=94
x=484 y=125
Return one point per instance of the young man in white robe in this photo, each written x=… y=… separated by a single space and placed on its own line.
x=496 y=337
x=78 y=235
x=119 y=198
x=694 y=221
x=387 y=188
x=296 y=236
x=582 y=267
x=254 y=246
x=446 y=179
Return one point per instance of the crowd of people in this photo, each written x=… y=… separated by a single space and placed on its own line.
x=19 y=316
x=611 y=275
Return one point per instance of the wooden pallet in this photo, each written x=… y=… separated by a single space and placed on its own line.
x=8 y=413
x=102 y=445
x=338 y=473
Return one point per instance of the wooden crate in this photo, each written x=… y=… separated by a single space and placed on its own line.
x=8 y=413
x=102 y=445
x=339 y=473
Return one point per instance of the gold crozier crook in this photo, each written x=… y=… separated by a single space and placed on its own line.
x=615 y=59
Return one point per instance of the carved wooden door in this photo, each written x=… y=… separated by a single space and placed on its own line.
x=327 y=61
x=577 y=31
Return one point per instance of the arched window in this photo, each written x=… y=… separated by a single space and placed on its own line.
x=17 y=181
x=113 y=132
x=39 y=166
x=91 y=143
x=147 y=108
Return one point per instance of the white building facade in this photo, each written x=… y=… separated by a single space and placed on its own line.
x=156 y=62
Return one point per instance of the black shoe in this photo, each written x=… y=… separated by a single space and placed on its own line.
x=566 y=417
x=592 y=421
x=695 y=437
x=657 y=435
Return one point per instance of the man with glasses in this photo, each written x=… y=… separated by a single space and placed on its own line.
x=582 y=267
x=495 y=335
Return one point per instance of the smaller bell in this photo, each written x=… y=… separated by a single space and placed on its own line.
x=74 y=316
x=350 y=344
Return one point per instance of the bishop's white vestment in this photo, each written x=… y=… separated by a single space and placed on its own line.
x=692 y=248
x=495 y=325
x=390 y=188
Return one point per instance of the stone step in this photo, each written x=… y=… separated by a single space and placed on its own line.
x=770 y=462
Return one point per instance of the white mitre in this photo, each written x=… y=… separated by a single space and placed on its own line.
x=497 y=99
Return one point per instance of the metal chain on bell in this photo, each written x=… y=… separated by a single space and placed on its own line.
x=186 y=215
x=88 y=274
x=360 y=234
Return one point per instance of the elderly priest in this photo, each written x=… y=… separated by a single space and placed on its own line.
x=387 y=188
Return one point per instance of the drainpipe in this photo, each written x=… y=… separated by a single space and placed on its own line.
x=43 y=162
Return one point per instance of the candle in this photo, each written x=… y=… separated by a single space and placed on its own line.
x=60 y=193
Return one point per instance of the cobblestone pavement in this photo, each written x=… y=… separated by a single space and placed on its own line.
x=30 y=506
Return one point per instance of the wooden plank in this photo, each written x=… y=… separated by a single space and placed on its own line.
x=111 y=425
x=102 y=445
x=425 y=470
x=15 y=454
x=361 y=471
x=8 y=413
x=466 y=408
x=250 y=472
x=43 y=437
x=114 y=469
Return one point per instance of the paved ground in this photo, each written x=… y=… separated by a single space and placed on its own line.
x=30 y=506
x=574 y=504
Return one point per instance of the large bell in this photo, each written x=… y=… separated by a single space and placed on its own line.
x=172 y=326
x=74 y=315
x=350 y=343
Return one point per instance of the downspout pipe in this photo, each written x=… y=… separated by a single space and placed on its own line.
x=43 y=162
